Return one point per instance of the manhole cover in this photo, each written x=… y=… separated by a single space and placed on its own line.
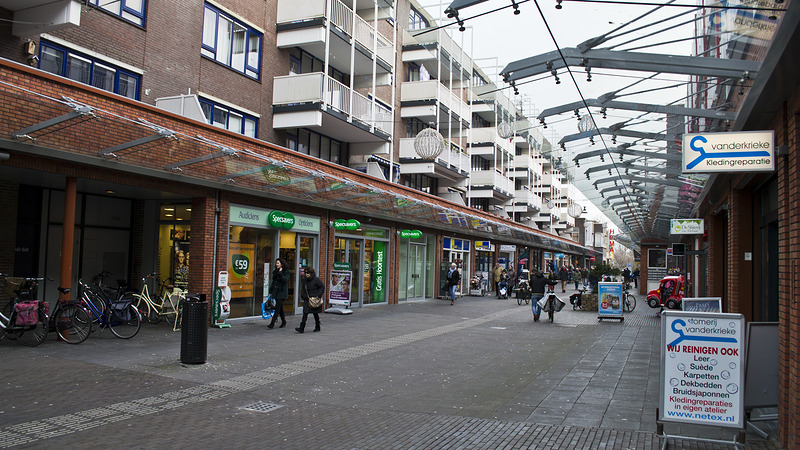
x=262 y=407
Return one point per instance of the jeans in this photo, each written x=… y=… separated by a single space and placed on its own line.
x=535 y=303
x=452 y=290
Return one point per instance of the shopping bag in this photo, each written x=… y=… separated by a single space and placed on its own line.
x=542 y=303
x=266 y=311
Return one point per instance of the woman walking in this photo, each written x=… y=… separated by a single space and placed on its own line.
x=279 y=288
x=312 y=287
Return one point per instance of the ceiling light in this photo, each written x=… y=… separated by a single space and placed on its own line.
x=110 y=191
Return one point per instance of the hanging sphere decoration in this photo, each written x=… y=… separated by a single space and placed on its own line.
x=505 y=130
x=429 y=144
x=574 y=210
x=585 y=124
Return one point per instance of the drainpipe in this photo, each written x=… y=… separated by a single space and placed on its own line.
x=68 y=235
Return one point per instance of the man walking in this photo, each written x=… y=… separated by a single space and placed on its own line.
x=496 y=274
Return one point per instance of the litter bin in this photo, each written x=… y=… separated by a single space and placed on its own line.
x=194 y=330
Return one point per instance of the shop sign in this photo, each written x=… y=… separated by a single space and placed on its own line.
x=746 y=151
x=508 y=248
x=485 y=246
x=686 y=226
x=379 y=272
x=341 y=266
x=346 y=224
x=702 y=368
x=410 y=234
x=306 y=223
x=240 y=215
x=278 y=219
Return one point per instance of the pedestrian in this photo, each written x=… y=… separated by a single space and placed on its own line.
x=576 y=276
x=585 y=275
x=512 y=278
x=312 y=287
x=279 y=288
x=538 y=284
x=635 y=276
x=453 y=279
x=563 y=275
x=496 y=273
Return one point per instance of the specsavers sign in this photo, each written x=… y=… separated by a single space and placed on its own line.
x=264 y=218
x=749 y=151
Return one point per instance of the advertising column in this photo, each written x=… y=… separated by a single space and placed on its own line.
x=702 y=373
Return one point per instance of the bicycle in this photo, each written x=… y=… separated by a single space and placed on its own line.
x=70 y=320
x=628 y=300
x=169 y=306
x=119 y=313
x=21 y=323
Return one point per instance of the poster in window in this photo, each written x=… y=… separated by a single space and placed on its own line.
x=240 y=269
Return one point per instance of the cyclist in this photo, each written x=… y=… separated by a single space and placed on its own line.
x=538 y=285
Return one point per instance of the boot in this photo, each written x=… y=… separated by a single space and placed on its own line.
x=300 y=330
x=316 y=328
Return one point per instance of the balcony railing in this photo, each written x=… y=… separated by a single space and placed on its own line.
x=434 y=90
x=308 y=88
x=492 y=178
x=343 y=18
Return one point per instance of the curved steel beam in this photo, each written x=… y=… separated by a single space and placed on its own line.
x=643 y=107
x=614 y=131
x=625 y=60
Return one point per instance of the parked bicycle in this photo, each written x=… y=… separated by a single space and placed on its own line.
x=70 y=320
x=628 y=300
x=169 y=305
x=118 y=313
x=24 y=319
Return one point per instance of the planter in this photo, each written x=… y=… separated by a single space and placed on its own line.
x=589 y=302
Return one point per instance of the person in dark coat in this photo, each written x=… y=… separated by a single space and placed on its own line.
x=279 y=289
x=538 y=285
x=453 y=279
x=312 y=287
x=563 y=275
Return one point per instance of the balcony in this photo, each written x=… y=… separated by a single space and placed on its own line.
x=451 y=165
x=302 y=23
x=431 y=48
x=490 y=184
x=333 y=109
x=486 y=135
x=525 y=200
x=419 y=100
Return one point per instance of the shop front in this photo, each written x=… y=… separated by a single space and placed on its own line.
x=457 y=251
x=256 y=239
x=359 y=271
x=416 y=265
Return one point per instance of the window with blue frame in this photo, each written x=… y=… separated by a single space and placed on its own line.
x=228 y=118
x=131 y=10
x=416 y=21
x=231 y=42
x=85 y=69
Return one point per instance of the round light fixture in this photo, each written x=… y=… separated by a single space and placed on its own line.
x=429 y=144
x=505 y=130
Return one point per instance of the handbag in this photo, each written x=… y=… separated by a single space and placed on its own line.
x=268 y=308
x=313 y=302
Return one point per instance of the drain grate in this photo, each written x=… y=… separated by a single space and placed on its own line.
x=262 y=407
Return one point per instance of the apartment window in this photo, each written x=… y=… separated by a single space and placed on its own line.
x=414 y=126
x=479 y=122
x=317 y=145
x=131 y=10
x=231 y=43
x=417 y=72
x=416 y=21
x=82 y=68
x=479 y=163
x=301 y=61
x=228 y=118
x=420 y=182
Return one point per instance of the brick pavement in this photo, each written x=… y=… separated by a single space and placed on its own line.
x=480 y=374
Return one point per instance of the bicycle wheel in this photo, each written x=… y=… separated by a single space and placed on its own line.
x=519 y=299
x=147 y=311
x=125 y=323
x=630 y=302
x=73 y=323
x=32 y=335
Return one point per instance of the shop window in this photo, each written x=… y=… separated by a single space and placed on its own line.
x=173 y=245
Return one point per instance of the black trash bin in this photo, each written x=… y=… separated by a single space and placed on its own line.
x=194 y=330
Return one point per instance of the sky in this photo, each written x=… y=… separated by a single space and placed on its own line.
x=498 y=38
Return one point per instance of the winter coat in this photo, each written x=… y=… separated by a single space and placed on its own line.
x=539 y=282
x=453 y=278
x=312 y=288
x=279 y=288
